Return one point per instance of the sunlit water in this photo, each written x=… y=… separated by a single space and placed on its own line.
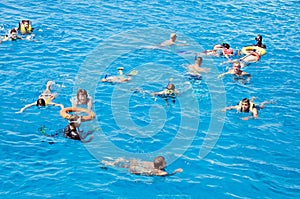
x=251 y=159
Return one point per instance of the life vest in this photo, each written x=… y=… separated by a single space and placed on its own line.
x=24 y=30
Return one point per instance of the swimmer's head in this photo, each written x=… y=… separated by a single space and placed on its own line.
x=159 y=162
x=226 y=45
x=245 y=105
x=82 y=96
x=13 y=34
x=173 y=36
x=171 y=87
x=258 y=38
x=25 y=23
x=236 y=66
x=120 y=69
x=75 y=120
x=41 y=102
x=198 y=59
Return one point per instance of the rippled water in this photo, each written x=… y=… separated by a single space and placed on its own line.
x=80 y=41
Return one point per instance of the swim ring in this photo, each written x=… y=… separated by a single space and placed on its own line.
x=247 y=49
x=65 y=113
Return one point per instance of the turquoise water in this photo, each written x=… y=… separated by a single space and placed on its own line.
x=78 y=42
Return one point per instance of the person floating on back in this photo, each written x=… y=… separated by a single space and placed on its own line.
x=121 y=78
x=155 y=168
x=45 y=99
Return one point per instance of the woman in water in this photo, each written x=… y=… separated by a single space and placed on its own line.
x=82 y=98
x=45 y=99
x=247 y=106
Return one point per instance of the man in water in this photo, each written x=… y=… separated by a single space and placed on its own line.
x=155 y=168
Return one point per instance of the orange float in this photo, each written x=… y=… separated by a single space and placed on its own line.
x=65 y=113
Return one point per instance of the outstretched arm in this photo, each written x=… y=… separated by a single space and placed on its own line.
x=229 y=108
x=26 y=107
x=55 y=104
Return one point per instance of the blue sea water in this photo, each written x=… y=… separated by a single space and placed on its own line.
x=78 y=42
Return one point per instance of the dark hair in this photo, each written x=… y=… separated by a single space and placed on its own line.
x=248 y=102
x=226 y=45
x=41 y=102
x=25 y=20
x=74 y=119
x=13 y=31
x=258 y=37
x=158 y=162
x=172 y=86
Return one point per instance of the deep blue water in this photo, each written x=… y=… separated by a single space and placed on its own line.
x=222 y=156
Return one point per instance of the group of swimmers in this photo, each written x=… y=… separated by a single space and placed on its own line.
x=24 y=28
x=157 y=167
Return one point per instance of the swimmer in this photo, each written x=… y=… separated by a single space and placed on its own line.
x=171 y=41
x=25 y=27
x=44 y=99
x=155 y=168
x=13 y=36
x=82 y=98
x=121 y=78
x=236 y=70
x=248 y=106
x=195 y=70
x=220 y=50
x=72 y=130
x=259 y=43
x=169 y=92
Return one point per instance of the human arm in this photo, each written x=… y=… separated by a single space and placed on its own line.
x=26 y=107
x=164 y=173
x=223 y=74
x=55 y=104
x=229 y=108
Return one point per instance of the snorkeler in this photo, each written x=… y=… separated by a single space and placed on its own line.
x=248 y=106
x=236 y=70
x=45 y=99
x=82 y=98
x=259 y=43
x=72 y=130
x=169 y=92
x=155 y=168
x=195 y=70
x=121 y=78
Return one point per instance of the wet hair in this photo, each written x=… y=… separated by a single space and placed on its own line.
x=248 y=102
x=81 y=92
x=258 y=37
x=158 y=162
x=13 y=31
x=172 y=86
x=25 y=20
x=40 y=102
x=75 y=119
x=198 y=58
x=226 y=45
